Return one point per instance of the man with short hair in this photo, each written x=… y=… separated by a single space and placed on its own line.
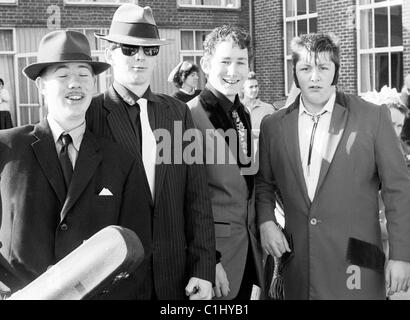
x=129 y=113
x=59 y=183
x=217 y=110
x=328 y=154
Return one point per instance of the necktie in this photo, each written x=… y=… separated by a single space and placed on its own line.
x=240 y=128
x=64 y=158
x=315 y=119
x=149 y=145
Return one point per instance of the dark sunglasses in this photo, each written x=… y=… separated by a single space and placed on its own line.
x=132 y=50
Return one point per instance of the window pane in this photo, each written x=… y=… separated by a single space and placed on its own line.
x=361 y=2
x=23 y=92
x=312 y=6
x=301 y=7
x=189 y=58
x=290 y=8
x=313 y=25
x=396 y=26
x=199 y=39
x=208 y=2
x=185 y=2
x=231 y=3
x=187 y=40
x=380 y=24
x=397 y=70
x=382 y=70
x=89 y=33
x=290 y=34
x=366 y=72
x=6 y=40
x=302 y=27
x=366 y=33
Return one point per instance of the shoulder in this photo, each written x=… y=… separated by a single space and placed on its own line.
x=114 y=152
x=359 y=107
x=176 y=105
x=16 y=133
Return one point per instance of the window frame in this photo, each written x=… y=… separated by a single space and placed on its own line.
x=92 y=3
x=223 y=7
x=295 y=18
x=374 y=50
x=13 y=32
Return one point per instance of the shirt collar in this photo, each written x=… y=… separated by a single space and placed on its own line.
x=327 y=108
x=130 y=97
x=76 y=134
x=224 y=102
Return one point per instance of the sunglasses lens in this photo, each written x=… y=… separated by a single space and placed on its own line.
x=151 y=51
x=129 y=51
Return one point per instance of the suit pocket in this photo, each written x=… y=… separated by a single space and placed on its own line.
x=222 y=229
x=106 y=204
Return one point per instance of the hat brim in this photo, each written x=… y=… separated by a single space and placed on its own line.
x=133 y=41
x=33 y=70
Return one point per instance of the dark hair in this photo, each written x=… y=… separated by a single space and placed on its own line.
x=1 y=82
x=316 y=43
x=400 y=107
x=237 y=34
x=183 y=72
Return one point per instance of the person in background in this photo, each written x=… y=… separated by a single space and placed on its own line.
x=5 y=116
x=256 y=107
x=185 y=76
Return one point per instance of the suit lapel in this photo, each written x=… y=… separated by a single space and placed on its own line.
x=89 y=157
x=46 y=154
x=290 y=131
x=336 y=130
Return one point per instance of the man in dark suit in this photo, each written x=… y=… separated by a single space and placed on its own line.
x=231 y=183
x=59 y=183
x=328 y=154
x=183 y=260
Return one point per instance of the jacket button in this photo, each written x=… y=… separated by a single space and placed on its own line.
x=313 y=221
x=64 y=227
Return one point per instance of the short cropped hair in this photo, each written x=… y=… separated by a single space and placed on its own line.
x=237 y=34
x=183 y=72
x=316 y=43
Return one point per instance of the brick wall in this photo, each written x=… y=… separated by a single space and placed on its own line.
x=406 y=37
x=29 y=13
x=338 y=17
x=268 y=41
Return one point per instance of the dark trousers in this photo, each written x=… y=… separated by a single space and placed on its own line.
x=249 y=278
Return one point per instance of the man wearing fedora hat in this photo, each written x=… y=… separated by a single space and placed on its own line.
x=59 y=183
x=183 y=259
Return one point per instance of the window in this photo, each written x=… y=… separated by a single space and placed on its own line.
x=7 y=1
x=192 y=49
x=99 y=2
x=300 y=17
x=380 y=44
x=7 y=51
x=226 y=4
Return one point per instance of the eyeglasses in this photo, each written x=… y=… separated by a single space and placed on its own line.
x=132 y=50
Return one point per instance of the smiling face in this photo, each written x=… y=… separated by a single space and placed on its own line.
x=68 y=89
x=315 y=78
x=227 y=68
x=131 y=71
x=251 y=89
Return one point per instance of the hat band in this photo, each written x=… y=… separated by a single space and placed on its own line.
x=66 y=56
x=138 y=30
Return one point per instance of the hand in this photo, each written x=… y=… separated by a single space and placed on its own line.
x=4 y=290
x=198 y=289
x=273 y=240
x=221 y=282
x=397 y=276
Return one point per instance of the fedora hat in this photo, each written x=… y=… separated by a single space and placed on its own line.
x=133 y=25
x=63 y=46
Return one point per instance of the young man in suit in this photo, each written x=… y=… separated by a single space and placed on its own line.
x=59 y=183
x=328 y=154
x=129 y=113
x=217 y=110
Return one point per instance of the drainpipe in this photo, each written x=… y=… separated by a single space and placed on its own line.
x=252 y=51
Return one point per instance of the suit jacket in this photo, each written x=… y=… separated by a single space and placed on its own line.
x=40 y=224
x=233 y=212
x=183 y=234
x=362 y=154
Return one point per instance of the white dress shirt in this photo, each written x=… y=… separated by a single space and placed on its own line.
x=76 y=134
x=321 y=138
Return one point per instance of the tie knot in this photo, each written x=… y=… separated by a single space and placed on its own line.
x=65 y=139
x=142 y=104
